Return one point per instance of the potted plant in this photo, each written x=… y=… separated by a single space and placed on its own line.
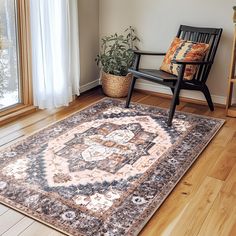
x=115 y=57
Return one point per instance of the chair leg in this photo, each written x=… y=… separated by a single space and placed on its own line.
x=131 y=88
x=173 y=91
x=173 y=104
x=176 y=94
x=207 y=95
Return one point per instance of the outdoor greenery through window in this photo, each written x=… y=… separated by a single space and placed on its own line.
x=9 y=60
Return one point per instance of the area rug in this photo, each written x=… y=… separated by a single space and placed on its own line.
x=104 y=170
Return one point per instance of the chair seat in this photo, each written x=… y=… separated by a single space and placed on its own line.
x=154 y=75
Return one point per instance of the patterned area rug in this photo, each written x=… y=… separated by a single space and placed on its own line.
x=104 y=170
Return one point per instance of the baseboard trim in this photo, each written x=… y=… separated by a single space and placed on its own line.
x=193 y=95
x=159 y=89
x=89 y=86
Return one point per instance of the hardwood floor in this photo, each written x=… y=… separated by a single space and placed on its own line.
x=202 y=204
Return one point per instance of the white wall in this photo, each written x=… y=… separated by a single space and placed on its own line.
x=89 y=42
x=157 y=22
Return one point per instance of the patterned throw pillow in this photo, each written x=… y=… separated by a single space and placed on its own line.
x=187 y=51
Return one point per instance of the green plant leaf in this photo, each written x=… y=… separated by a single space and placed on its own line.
x=116 y=54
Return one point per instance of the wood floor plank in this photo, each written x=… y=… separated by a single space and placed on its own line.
x=19 y=227
x=219 y=112
x=3 y=209
x=194 y=108
x=198 y=208
x=136 y=97
x=231 y=147
x=222 y=216
x=9 y=219
x=189 y=109
x=153 y=101
x=231 y=122
x=38 y=229
x=223 y=137
x=223 y=166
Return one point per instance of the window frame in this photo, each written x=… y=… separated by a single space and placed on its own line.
x=25 y=66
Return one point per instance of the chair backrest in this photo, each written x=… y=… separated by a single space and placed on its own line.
x=202 y=35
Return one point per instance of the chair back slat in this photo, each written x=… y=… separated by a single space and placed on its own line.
x=210 y=36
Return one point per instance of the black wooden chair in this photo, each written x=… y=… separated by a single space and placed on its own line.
x=176 y=83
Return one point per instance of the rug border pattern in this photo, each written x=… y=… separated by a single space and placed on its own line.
x=140 y=223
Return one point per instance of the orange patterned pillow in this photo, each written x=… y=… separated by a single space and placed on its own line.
x=187 y=51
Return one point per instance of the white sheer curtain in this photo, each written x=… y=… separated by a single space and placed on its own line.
x=55 y=52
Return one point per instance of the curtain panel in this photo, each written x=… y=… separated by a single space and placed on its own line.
x=55 y=52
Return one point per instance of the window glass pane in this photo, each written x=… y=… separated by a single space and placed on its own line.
x=9 y=76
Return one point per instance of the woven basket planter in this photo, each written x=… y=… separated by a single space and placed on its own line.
x=115 y=86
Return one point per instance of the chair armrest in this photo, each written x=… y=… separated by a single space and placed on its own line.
x=191 y=62
x=138 y=52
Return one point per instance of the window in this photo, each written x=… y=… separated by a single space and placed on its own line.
x=15 y=63
x=10 y=93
